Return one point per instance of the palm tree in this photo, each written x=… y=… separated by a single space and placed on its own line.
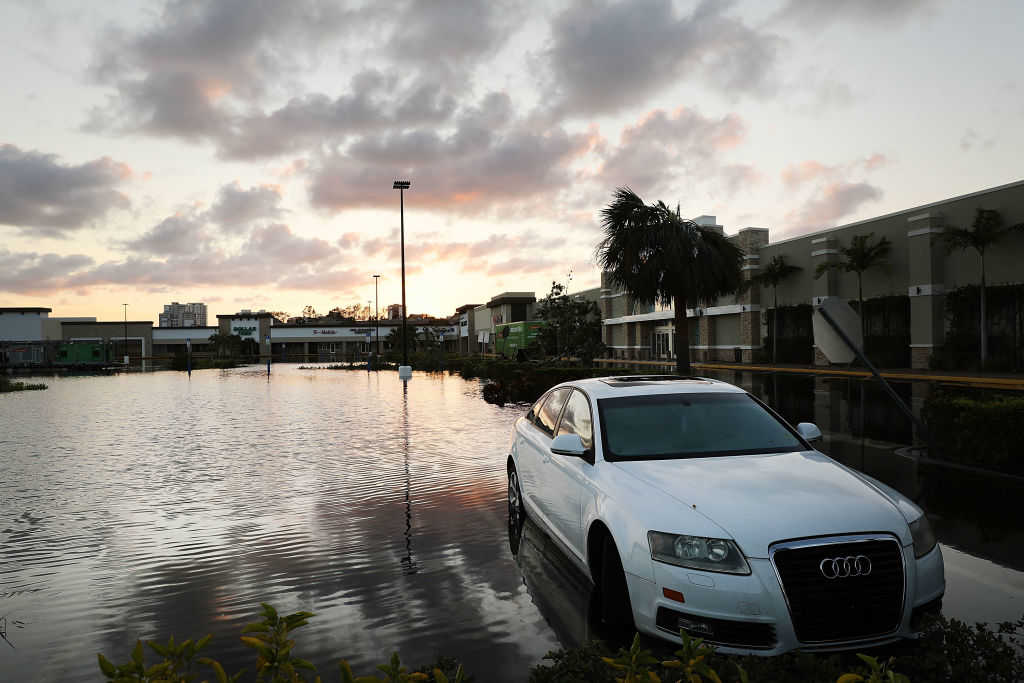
x=863 y=254
x=775 y=272
x=987 y=229
x=653 y=254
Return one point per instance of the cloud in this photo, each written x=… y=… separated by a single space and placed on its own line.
x=835 y=200
x=446 y=38
x=42 y=196
x=34 y=273
x=272 y=255
x=970 y=139
x=738 y=177
x=204 y=70
x=653 y=153
x=284 y=248
x=816 y=14
x=799 y=174
x=487 y=160
x=829 y=192
x=605 y=57
x=182 y=233
x=235 y=207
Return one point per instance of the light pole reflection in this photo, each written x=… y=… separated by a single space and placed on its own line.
x=409 y=565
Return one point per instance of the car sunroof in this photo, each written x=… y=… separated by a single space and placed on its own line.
x=640 y=380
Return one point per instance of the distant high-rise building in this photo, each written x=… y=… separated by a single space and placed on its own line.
x=183 y=315
x=394 y=311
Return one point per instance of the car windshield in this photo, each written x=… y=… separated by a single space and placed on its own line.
x=666 y=426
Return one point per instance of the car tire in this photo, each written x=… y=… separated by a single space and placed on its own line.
x=616 y=609
x=516 y=509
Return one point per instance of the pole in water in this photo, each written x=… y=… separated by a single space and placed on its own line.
x=268 y=355
x=188 y=349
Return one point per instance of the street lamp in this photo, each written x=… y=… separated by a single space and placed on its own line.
x=376 y=310
x=405 y=370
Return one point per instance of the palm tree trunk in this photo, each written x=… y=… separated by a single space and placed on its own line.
x=775 y=326
x=984 y=326
x=682 y=334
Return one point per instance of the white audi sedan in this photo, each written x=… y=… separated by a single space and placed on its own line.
x=693 y=506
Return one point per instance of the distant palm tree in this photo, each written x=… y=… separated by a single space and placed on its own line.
x=863 y=254
x=653 y=254
x=987 y=229
x=775 y=272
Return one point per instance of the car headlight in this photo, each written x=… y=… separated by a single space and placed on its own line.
x=697 y=552
x=924 y=537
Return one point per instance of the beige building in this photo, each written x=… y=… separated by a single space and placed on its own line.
x=905 y=300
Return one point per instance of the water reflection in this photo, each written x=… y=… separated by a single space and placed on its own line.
x=565 y=597
x=408 y=563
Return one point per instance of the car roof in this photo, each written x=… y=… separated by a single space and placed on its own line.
x=639 y=385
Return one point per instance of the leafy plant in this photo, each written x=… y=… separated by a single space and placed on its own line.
x=773 y=274
x=634 y=663
x=863 y=254
x=879 y=673
x=986 y=230
x=271 y=640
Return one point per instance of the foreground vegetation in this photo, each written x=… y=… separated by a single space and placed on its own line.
x=7 y=386
x=948 y=650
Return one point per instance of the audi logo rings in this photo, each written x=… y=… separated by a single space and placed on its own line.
x=845 y=567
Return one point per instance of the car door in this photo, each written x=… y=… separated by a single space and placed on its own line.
x=527 y=455
x=537 y=448
x=566 y=476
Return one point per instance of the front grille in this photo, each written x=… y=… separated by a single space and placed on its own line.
x=718 y=631
x=849 y=608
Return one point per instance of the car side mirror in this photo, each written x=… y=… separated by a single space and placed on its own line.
x=568 y=444
x=809 y=431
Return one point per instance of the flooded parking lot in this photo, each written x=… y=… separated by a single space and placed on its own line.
x=144 y=505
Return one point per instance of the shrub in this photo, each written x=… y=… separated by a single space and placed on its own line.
x=977 y=430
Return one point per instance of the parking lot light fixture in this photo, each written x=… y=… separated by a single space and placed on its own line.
x=405 y=371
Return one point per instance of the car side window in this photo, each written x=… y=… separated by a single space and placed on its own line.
x=535 y=409
x=548 y=416
x=576 y=419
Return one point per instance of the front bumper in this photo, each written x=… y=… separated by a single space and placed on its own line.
x=749 y=614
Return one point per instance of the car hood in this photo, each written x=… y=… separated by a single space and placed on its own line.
x=761 y=499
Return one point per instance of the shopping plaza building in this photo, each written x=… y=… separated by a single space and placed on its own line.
x=920 y=305
x=908 y=300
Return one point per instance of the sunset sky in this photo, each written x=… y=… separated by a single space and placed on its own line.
x=241 y=152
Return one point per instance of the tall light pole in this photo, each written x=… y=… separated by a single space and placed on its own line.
x=405 y=371
x=125 y=334
x=376 y=310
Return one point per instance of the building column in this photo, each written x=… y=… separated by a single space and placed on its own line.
x=824 y=250
x=305 y=351
x=927 y=289
x=751 y=240
x=705 y=338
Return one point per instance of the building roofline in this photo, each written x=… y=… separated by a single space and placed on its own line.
x=17 y=309
x=915 y=209
x=107 y=322
x=245 y=315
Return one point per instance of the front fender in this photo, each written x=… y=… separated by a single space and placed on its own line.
x=629 y=508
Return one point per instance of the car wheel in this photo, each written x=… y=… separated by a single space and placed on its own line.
x=516 y=511
x=616 y=610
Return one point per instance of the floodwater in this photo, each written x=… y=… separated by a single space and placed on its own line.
x=145 y=505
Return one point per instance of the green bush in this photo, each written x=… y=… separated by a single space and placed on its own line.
x=7 y=386
x=978 y=430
